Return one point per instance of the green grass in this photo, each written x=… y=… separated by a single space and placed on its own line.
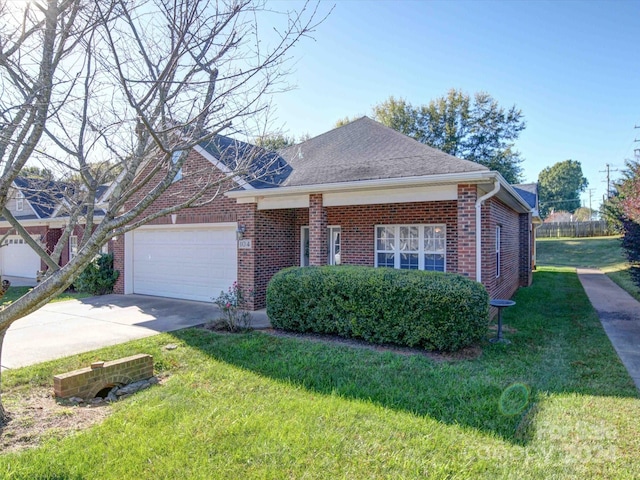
x=604 y=253
x=555 y=403
x=16 y=292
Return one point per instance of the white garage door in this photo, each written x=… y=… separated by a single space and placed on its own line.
x=189 y=263
x=18 y=258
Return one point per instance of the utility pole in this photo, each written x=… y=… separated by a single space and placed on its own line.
x=590 y=190
x=608 y=172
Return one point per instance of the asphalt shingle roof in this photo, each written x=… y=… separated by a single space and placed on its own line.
x=528 y=192
x=42 y=195
x=267 y=169
x=366 y=150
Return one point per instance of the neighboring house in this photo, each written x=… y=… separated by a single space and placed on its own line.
x=361 y=194
x=560 y=216
x=529 y=193
x=38 y=205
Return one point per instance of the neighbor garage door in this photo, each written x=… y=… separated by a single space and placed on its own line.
x=189 y=263
x=18 y=258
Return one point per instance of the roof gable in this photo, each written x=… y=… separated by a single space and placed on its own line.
x=43 y=195
x=267 y=169
x=367 y=150
x=529 y=193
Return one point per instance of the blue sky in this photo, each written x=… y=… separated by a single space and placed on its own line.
x=572 y=67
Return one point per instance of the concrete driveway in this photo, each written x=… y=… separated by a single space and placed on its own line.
x=75 y=326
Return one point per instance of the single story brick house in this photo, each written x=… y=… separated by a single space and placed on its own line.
x=361 y=194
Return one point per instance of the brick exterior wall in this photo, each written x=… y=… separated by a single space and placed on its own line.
x=195 y=172
x=87 y=382
x=275 y=234
x=274 y=248
x=495 y=213
x=358 y=223
x=317 y=230
x=526 y=246
x=466 y=230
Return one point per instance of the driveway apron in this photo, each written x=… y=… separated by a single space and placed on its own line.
x=619 y=314
x=75 y=326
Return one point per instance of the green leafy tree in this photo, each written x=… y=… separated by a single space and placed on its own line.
x=476 y=129
x=274 y=141
x=583 y=214
x=560 y=186
x=623 y=211
x=399 y=115
x=277 y=141
x=37 y=172
x=345 y=121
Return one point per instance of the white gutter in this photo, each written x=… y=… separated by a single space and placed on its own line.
x=56 y=222
x=479 y=202
x=447 y=178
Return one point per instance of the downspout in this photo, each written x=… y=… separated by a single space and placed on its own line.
x=479 y=202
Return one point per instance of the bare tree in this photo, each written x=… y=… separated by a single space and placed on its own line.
x=132 y=86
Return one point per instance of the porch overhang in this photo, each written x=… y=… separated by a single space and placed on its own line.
x=433 y=188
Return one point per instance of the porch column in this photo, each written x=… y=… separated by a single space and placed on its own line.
x=317 y=230
x=246 y=217
x=467 y=195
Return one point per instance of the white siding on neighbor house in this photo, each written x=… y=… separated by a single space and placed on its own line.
x=188 y=262
x=11 y=205
x=18 y=259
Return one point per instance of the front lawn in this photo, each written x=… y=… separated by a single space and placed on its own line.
x=16 y=292
x=604 y=253
x=556 y=403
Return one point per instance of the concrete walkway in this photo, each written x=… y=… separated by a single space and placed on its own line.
x=76 y=326
x=619 y=313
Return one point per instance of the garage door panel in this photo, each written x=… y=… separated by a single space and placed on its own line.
x=18 y=258
x=190 y=263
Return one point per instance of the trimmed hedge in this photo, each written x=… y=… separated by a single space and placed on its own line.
x=431 y=310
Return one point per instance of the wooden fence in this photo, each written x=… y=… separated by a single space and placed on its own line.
x=596 y=228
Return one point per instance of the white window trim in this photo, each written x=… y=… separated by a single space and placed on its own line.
x=498 y=249
x=73 y=246
x=303 y=247
x=19 y=201
x=174 y=159
x=421 y=251
x=331 y=244
x=331 y=229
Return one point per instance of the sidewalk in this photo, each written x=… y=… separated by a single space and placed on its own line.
x=619 y=314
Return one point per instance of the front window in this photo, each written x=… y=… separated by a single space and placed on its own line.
x=334 y=246
x=411 y=247
x=334 y=242
x=174 y=159
x=498 y=248
x=73 y=246
x=19 y=201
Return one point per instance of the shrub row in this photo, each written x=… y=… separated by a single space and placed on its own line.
x=431 y=310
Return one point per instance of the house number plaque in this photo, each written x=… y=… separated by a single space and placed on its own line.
x=244 y=244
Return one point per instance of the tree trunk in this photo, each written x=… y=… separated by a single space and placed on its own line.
x=4 y=417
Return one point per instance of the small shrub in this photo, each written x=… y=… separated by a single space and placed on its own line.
x=233 y=304
x=99 y=277
x=431 y=310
